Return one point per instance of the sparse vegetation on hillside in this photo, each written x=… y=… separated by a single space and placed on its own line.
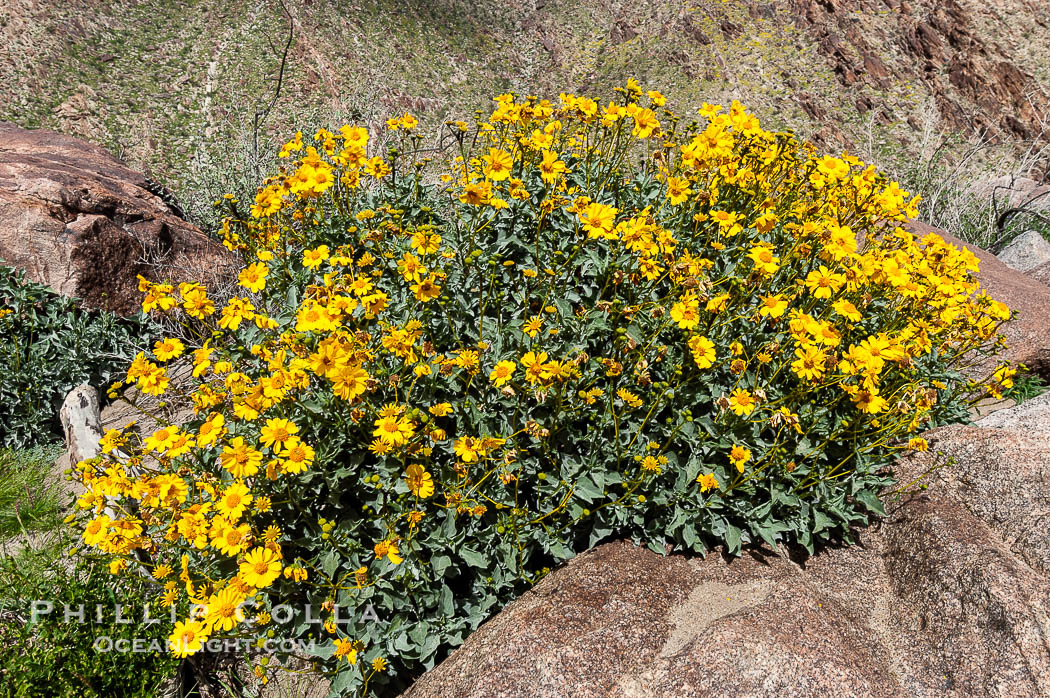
x=169 y=85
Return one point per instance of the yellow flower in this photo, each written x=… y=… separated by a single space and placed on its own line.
x=296 y=456
x=822 y=282
x=419 y=481
x=161 y=439
x=717 y=303
x=315 y=257
x=809 y=364
x=502 y=373
x=686 y=312
x=497 y=164
x=551 y=168
x=629 y=398
x=678 y=190
x=96 y=531
x=253 y=277
x=388 y=549
x=229 y=539
x=168 y=349
x=764 y=260
x=186 y=638
x=234 y=500
x=468 y=449
x=344 y=649
x=707 y=482
x=236 y=310
x=703 y=350
x=222 y=611
x=427 y=289
x=441 y=409
x=918 y=443
x=598 y=221
x=277 y=432
x=773 y=306
x=211 y=430
x=394 y=430
x=645 y=123
x=260 y=567
x=240 y=459
x=742 y=402
x=532 y=326
x=738 y=456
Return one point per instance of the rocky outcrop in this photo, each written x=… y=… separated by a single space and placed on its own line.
x=948 y=596
x=944 y=46
x=74 y=217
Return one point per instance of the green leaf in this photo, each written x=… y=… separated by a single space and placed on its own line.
x=732 y=538
x=473 y=558
x=870 y=501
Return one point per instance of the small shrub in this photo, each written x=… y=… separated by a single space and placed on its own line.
x=56 y=656
x=50 y=345
x=598 y=322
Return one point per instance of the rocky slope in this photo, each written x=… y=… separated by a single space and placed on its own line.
x=162 y=82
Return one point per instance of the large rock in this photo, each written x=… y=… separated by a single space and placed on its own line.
x=949 y=596
x=74 y=217
x=1026 y=251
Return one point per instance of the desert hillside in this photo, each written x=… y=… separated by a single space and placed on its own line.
x=168 y=85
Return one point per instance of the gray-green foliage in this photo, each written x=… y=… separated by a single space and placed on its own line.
x=49 y=344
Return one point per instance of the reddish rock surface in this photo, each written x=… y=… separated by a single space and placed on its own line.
x=944 y=45
x=76 y=218
x=949 y=596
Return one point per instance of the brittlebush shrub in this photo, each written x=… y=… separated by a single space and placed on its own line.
x=597 y=322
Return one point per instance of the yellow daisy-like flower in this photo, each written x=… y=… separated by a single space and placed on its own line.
x=389 y=550
x=222 y=611
x=420 y=483
x=394 y=430
x=440 y=410
x=187 y=638
x=253 y=277
x=703 y=351
x=277 y=432
x=233 y=501
x=739 y=456
x=773 y=306
x=742 y=402
x=315 y=257
x=502 y=373
x=260 y=567
x=497 y=164
x=707 y=481
x=344 y=649
x=686 y=312
x=167 y=349
x=296 y=456
x=240 y=459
